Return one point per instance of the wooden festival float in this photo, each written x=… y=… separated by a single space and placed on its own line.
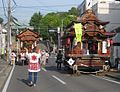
x=28 y=39
x=93 y=49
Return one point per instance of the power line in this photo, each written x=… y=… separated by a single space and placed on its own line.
x=65 y=5
x=44 y=6
x=4 y=9
x=15 y=4
x=19 y=6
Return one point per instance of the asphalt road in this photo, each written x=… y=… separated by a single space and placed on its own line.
x=52 y=80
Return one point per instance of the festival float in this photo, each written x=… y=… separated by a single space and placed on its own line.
x=86 y=43
x=28 y=39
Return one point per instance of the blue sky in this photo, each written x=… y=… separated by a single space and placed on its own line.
x=26 y=8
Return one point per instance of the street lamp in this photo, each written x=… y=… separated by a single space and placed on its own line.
x=59 y=43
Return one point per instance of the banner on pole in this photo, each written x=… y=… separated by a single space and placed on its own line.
x=78 y=31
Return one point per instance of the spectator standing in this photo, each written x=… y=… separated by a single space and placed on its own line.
x=22 y=57
x=43 y=58
x=59 y=59
x=13 y=56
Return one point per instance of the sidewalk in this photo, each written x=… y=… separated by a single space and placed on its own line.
x=4 y=71
x=113 y=74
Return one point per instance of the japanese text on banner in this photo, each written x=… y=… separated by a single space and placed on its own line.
x=78 y=31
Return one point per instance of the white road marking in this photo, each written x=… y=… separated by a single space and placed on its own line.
x=44 y=69
x=107 y=79
x=59 y=79
x=8 y=80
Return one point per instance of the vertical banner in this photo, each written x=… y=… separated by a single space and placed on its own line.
x=104 y=47
x=2 y=51
x=78 y=31
x=32 y=46
x=21 y=44
x=35 y=43
x=108 y=42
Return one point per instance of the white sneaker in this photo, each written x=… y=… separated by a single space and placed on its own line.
x=34 y=85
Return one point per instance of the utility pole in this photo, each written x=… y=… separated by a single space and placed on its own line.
x=0 y=39
x=9 y=32
x=17 y=43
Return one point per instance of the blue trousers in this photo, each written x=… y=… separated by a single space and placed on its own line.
x=35 y=77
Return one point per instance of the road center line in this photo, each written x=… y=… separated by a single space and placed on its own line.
x=107 y=80
x=59 y=79
x=8 y=80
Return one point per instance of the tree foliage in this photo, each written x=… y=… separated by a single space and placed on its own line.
x=74 y=11
x=35 y=20
x=51 y=21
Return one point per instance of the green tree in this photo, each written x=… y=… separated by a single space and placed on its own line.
x=52 y=21
x=74 y=11
x=35 y=21
x=1 y=20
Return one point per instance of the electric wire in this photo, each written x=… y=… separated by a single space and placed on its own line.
x=65 y=5
x=41 y=7
x=15 y=5
x=46 y=6
x=4 y=8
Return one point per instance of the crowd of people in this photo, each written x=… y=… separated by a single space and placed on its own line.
x=23 y=59
x=35 y=59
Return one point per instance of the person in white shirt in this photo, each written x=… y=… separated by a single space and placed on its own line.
x=22 y=57
x=33 y=66
x=44 y=57
x=13 y=56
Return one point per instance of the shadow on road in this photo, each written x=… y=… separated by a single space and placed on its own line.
x=24 y=81
x=62 y=70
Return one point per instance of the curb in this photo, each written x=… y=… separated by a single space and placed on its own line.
x=112 y=76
